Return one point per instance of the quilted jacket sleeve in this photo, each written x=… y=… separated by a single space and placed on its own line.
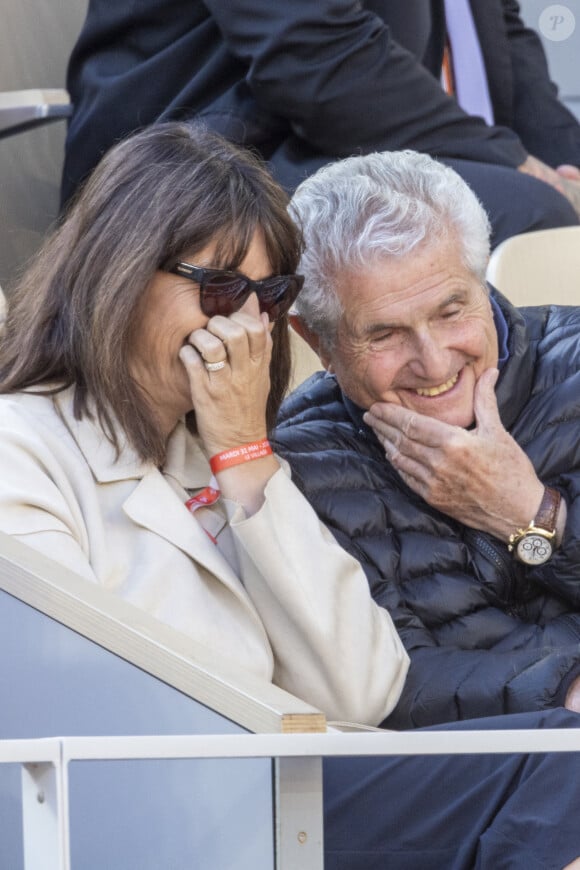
x=531 y=670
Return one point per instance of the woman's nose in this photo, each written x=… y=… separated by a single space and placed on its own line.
x=251 y=305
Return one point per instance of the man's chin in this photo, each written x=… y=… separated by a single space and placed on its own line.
x=464 y=419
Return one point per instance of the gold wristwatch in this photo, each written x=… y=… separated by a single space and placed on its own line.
x=535 y=545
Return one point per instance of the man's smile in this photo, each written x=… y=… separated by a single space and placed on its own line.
x=436 y=391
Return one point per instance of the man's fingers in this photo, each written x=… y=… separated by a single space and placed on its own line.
x=485 y=401
x=568 y=171
x=388 y=419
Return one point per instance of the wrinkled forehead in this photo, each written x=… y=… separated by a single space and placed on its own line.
x=402 y=288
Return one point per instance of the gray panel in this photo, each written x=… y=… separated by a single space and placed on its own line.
x=37 y=38
x=207 y=814
x=170 y=815
x=558 y=25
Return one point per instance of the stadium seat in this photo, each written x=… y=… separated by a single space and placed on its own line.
x=539 y=267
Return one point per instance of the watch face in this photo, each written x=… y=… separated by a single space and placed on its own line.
x=534 y=549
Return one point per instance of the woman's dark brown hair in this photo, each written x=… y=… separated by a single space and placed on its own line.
x=165 y=192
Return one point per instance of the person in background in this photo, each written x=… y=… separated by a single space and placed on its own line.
x=143 y=359
x=305 y=83
x=441 y=448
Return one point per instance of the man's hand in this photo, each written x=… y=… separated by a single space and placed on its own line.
x=481 y=476
x=572 y=701
x=572 y=192
x=568 y=171
x=565 y=179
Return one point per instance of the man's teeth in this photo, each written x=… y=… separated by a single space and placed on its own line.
x=442 y=388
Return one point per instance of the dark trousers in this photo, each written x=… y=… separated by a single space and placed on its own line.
x=490 y=812
x=515 y=202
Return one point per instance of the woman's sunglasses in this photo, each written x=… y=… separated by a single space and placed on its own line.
x=223 y=292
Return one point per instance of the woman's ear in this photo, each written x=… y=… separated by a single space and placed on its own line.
x=311 y=339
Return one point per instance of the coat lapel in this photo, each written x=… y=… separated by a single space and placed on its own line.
x=491 y=27
x=152 y=502
x=155 y=506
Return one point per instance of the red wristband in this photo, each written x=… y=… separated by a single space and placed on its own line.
x=238 y=455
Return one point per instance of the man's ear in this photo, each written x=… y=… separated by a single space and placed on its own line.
x=311 y=339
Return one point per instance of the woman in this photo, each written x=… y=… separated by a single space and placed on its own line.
x=132 y=355
x=144 y=356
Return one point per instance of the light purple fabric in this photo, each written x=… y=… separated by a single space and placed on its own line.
x=471 y=90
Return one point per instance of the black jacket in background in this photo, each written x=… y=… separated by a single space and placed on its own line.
x=485 y=634
x=309 y=80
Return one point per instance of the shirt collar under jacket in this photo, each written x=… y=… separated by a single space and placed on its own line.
x=502 y=333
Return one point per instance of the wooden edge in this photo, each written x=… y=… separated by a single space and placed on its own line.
x=298 y=723
x=156 y=648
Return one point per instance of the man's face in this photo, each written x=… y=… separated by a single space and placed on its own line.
x=418 y=332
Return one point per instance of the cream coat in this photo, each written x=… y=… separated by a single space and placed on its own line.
x=277 y=593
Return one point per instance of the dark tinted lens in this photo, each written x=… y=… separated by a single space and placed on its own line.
x=276 y=295
x=223 y=294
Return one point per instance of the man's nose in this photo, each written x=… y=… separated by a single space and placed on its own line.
x=430 y=358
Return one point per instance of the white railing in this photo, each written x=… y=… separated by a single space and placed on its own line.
x=299 y=821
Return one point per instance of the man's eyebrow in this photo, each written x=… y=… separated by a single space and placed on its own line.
x=379 y=327
x=458 y=296
x=385 y=326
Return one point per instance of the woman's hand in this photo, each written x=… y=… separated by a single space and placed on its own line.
x=480 y=477
x=230 y=402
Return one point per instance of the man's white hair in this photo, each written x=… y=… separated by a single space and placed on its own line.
x=376 y=207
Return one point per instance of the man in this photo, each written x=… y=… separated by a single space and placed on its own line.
x=305 y=83
x=426 y=463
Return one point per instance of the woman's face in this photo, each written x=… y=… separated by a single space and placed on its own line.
x=170 y=312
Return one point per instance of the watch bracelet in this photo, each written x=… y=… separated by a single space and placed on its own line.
x=544 y=522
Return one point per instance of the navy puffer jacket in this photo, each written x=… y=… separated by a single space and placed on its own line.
x=485 y=634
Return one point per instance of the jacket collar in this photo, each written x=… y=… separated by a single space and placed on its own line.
x=490 y=23
x=153 y=502
x=515 y=380
x=185 y=460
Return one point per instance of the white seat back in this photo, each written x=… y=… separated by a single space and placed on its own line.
x=539 y=267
